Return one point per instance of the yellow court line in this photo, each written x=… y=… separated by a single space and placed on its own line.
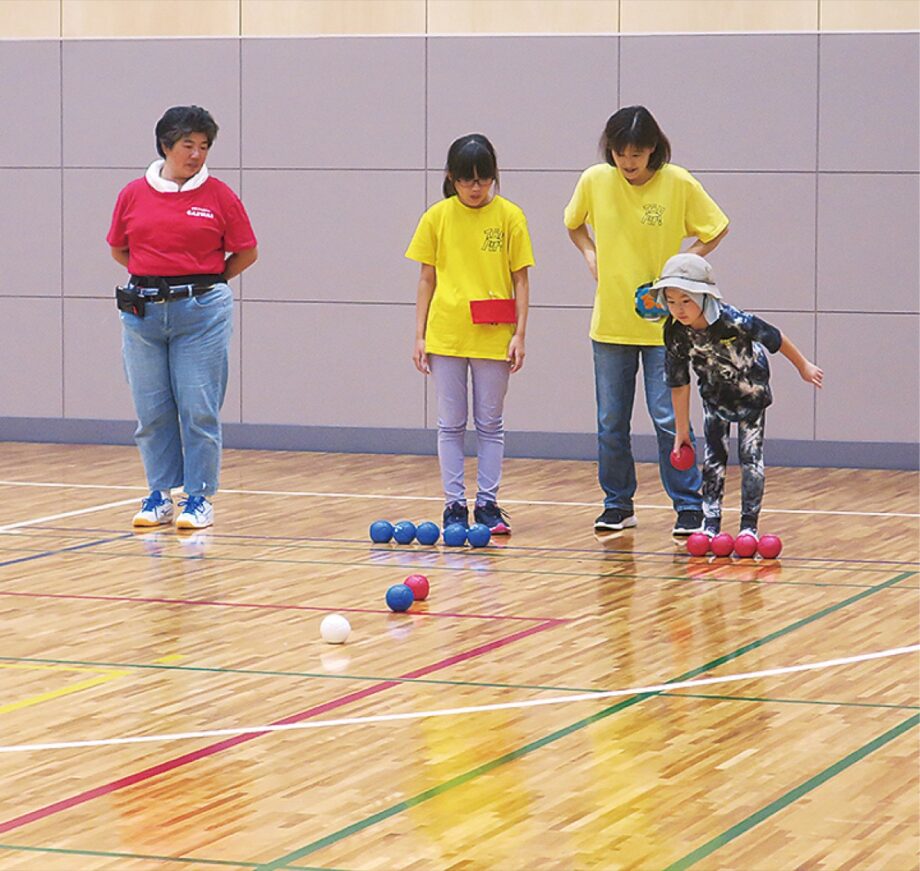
x=62 y=691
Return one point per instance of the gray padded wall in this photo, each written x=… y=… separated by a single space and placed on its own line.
x=336 y=146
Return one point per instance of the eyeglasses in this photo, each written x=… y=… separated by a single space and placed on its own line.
x=472 y=182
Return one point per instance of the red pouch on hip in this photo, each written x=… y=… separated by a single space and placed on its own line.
x=493 y=311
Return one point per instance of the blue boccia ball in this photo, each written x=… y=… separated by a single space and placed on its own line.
x=455 y=535
x=404 y=532
x=428 y=532
x=381 y=531
x=400 y=597
x=479 y=535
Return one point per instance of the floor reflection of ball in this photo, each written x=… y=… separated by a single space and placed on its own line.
x=334 y=629
x=335 y=661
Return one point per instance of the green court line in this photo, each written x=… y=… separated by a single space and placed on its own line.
x=792 y=795
x=417 y=680
x=182 y=859
x=828 y=702
x=461 y=779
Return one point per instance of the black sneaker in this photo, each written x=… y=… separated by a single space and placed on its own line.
x=457 y=512
x=688 y=522
x=614 y=519
x=489 y=514
x=712 y=526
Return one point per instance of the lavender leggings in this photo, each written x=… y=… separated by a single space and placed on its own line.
x=490 y=383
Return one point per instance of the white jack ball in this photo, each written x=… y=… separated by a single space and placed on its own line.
x=335 y=629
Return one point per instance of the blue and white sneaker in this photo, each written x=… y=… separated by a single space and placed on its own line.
x=197 y=513
x=156 y=510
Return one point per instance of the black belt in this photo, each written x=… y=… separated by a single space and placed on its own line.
x=174 y=286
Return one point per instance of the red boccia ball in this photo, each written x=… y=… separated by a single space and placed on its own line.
x=770 y=546
x=698 y=544
x=419 y=586
x=745 y=546
x=683 y=459
x=722 y=544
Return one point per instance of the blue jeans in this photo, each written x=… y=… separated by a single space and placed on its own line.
x=176 y=360
x=615 y=370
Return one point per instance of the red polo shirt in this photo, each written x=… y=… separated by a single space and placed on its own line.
x=182 y=232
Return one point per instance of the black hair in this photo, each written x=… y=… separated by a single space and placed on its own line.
x=470 y=156
x=634 y=126
x=179 y=121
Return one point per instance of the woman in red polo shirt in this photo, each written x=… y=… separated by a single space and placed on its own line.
x=173 y=230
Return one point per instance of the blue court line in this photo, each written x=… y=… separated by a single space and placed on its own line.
x=73 y=547
x=501 y=549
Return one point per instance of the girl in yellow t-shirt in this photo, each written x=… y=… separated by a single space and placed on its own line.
x=641 y=207
x=474 y=250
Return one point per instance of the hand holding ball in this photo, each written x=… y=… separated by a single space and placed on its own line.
x=683 y=458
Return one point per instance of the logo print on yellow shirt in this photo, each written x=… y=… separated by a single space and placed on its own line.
x=495 y=236
x=654 y=214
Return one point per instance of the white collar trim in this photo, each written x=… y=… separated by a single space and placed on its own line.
x=164 y=186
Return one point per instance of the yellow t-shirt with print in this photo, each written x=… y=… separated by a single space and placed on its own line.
x=474 y=252
x=636 y=229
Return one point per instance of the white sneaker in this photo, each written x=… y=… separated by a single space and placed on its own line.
x=197 y=513
x=751 y=532
x=156 y=510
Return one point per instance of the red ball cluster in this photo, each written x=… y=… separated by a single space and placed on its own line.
x=745 y=546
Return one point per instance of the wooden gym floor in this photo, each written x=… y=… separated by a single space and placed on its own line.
x=109 y=634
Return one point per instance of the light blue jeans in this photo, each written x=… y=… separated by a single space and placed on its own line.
x=490 y=383
x=176 y=360
x=615 y=370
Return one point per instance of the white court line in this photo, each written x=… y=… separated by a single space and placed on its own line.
x=50 y=517
x=388 y=497
x=450 y=712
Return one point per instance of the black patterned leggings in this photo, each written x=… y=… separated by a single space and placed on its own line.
x=715 y=458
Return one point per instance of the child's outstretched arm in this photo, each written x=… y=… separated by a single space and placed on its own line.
x=521 y=306
x=427 y=281
x=680 y=399
x=809 y=372
x=582 y=240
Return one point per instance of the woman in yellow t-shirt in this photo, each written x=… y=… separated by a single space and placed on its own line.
x=641 y=207
x=471 y=316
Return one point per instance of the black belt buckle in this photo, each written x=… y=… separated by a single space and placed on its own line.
x=129 y=300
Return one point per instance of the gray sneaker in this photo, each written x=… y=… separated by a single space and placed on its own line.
x=688 y=522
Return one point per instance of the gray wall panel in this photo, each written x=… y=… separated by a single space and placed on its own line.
x=30 y=103
x=30 y=227
x=106 y=126
x=541 y=100
x=868 y=244
x=767 y=261
x=30 y=357
x=333 y=236
x=728 y=101
x=330 y=365
x=870 y=102
x=334 y=103
x=871 y=378
x=95 y=385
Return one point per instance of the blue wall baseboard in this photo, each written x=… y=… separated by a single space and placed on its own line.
x=538 y=445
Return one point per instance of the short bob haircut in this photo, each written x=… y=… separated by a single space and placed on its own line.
x=471 y=156
x=634 y=126
x=179 y=121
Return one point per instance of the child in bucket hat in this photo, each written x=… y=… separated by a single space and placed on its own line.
x=727 y=348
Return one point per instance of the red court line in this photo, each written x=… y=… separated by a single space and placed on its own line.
x=270 y=607
x=226 y=744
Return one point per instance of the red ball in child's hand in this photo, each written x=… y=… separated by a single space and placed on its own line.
x=683 y=458
x=722 y=544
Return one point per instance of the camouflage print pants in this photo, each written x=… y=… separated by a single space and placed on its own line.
x=715 y=458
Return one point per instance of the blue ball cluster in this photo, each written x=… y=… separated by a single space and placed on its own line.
x=404 y=532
